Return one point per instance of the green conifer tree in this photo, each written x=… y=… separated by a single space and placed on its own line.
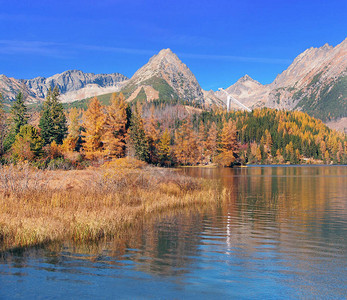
x=138 y=137
x=53 y=120
x=18 y=118
x=3 y=126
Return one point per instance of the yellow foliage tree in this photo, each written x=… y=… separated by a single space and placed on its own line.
x=164 y=148
x=114 y=135
x=229 y=146
x=94 y=120
x=186 y=150
x=71 y=141
x=211 y=143
x=201 y=143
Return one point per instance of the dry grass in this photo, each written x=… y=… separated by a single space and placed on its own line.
x=87 y=205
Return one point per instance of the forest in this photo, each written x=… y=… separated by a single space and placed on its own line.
x=163 y=134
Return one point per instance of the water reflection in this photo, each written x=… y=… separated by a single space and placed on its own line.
x=278 y=232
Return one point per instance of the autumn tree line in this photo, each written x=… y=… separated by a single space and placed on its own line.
x=75 y=137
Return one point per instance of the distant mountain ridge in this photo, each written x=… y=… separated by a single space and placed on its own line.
x=73 y=85
x=315 y=83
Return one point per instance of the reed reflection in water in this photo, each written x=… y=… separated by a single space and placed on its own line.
x=279 y=232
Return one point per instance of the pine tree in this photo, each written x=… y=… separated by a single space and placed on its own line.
x=115 y=128
x=18 y=118
x=53 y=121
x=138 y=136
x=94 y=120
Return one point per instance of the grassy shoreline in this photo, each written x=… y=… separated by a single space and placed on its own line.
x=89 y=205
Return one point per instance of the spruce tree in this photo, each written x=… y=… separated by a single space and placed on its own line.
x=138 y=137
x=53 y=121
x=18 y=118
x=3 y=126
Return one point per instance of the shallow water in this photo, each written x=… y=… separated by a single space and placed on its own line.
x=279 y=233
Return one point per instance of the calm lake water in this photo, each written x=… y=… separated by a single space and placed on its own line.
x=280 y=233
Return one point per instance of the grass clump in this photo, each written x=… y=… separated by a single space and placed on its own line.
x=39 y=206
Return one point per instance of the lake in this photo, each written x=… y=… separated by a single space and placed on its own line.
x=280 y=232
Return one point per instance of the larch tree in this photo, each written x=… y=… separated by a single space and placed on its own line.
x=94 y=120
x=53 y=123
x=186 y=150
x=229 y=147
x=71 y=142
x=211 y=143
x=201 y=143
x=164 y=148
x=115 y=127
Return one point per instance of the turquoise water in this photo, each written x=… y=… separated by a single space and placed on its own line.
x=279 y=233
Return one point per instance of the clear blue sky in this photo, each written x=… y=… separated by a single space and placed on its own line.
x=219 y=41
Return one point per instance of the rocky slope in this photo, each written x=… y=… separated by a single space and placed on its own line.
x=248 y=91
x=9 y=88
x=315 y=82
x=164 y=77
x=73 y=85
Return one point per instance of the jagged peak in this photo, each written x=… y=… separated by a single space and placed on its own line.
x=165 y=54
x=72 y=72
x=326 y=46
x=247 y=78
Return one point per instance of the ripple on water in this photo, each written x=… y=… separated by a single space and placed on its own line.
x=280 y=234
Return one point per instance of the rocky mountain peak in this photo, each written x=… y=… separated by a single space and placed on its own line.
x=246 y=78
x=168 y=67
x=165 y=52
x=326 y=47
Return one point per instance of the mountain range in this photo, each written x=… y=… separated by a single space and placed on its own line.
x=315 y=83
x=73 y=85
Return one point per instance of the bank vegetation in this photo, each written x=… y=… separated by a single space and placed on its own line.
x=41 y=206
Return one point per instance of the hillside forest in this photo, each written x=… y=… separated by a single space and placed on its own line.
x=162 y=133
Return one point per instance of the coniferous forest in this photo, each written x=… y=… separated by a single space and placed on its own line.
x=160 y=133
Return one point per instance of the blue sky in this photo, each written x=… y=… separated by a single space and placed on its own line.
x=219 y=41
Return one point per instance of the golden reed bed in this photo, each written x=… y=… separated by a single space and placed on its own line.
x=87 y=205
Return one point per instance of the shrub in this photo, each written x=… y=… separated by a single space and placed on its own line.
x=28 y=144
